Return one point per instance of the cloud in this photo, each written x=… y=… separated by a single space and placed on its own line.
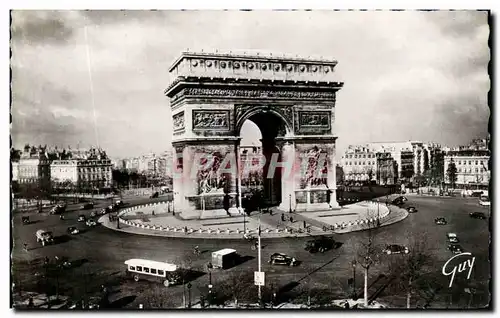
x=47 y=27
x=408 y=75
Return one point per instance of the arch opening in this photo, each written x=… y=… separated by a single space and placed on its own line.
x=258 y=148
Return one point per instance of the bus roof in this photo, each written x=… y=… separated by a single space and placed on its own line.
x=152 y=264
x=225 y=251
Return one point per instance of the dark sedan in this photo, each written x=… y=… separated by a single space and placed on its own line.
x=477 y=215
x=395 y=249
x=282 y=259
x=411 y=209
x=455 y=248
x=321 y=245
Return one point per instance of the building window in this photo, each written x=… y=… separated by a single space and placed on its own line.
x=355 y=163
x=459 y=162
x=476 y=170
x=470 y=162
x=476 y=162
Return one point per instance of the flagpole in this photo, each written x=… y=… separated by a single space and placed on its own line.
x=259 y=290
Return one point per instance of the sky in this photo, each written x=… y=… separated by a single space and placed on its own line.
x=84 y=78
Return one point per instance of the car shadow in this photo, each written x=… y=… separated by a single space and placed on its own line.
x=62 y=239
x=122 y=302
x=32 y=222
x=78 y=262
x=337 y=245
x=243 y=259
x=192 y=275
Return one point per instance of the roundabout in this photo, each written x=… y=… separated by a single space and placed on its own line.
x=157 y=220
x=101 y=251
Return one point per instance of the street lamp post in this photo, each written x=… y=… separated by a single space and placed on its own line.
x=354 y=279
x=189 y=294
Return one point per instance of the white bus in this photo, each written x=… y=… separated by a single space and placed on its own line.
x=484 y=200
x=162 y=272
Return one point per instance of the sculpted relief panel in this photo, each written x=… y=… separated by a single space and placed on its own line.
x=211 y=119
x=178 y=121
x=314 y=119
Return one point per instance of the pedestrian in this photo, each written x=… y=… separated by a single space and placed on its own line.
x=185 y=229
x=305 y=224
x=283 y=217
x=153 y=213
x=291 y=219
x=25 y=247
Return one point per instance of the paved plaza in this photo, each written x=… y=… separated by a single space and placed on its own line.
x=157 y=220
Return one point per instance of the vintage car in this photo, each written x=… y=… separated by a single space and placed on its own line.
x=26 y=220
x=477 y=215
x=87 y=206
x=452 y=238
x=91 y=222
x=395 y=249
x=282 y=259
x=440 y=221
x=73 y=230
x=411 y=209
x=455 y=248
x=320 y=244
x=81 y=218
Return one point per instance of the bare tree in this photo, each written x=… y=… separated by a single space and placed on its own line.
x=186 y=264
x=158 y=297
x=238 y=286
x=411 y=268
x=367 y=251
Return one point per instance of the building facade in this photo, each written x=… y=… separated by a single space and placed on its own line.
x=32 y=168
x=359 y=164
x=472 y=168
x=83 y=171
x=387 y=170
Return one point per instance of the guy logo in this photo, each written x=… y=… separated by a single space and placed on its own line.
x=468 y=264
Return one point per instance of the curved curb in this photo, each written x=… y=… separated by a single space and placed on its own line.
x=217 y=233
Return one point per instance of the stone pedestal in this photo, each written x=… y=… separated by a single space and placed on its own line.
x=288 y=201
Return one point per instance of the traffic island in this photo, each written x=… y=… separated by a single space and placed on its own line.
x=157 y=220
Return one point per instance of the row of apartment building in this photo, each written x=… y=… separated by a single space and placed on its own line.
x=400 y=162
x=53 y=169
x=151 y=165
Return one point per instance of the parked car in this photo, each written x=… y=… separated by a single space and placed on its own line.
x=93 y=214
x=282 y=259
x=81 y=218
x=395 y=249
x=411 y=209
x=320 y=244
x=73 y=230
x=477 y=215
x=154 y=195
x=87 y=206
x=101 y=211
x=440 y=221
x=452 y=238
x=91 y=222
x=455 y=248
x=403 y=198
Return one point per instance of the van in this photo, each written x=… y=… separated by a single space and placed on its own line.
x=161 y=272
x=224 y=258
x=44 y=237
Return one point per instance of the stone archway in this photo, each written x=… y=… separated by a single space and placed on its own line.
x=292 y=100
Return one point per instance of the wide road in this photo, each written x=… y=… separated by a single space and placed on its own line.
x=103 y=252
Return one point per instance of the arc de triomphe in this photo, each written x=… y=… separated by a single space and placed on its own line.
x=291 y=100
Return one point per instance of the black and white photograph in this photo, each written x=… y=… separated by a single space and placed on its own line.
x=250 y=160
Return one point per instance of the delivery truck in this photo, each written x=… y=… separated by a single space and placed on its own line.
x=224 y=258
